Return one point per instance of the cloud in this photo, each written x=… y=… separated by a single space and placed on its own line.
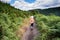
x=5 y=1
x=38 y=4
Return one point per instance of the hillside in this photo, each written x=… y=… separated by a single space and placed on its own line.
x=11 y=19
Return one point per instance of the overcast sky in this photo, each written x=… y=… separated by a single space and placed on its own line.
x=33 y=4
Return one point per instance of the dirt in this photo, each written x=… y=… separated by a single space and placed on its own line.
x=30 y=34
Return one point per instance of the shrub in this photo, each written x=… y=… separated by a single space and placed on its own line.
x=48 y=27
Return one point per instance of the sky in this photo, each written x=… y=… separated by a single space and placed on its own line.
x=33 y=4
x=30 y=1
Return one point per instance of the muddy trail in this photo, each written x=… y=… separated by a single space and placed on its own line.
x=30 y=35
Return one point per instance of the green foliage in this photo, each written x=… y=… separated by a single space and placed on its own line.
x=56 y=38
x=48 y=26
x=9 y=26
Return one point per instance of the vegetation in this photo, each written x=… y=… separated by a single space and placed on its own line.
x=48 y=22
x=49 y=27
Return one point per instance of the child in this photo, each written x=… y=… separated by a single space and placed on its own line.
x=32 y=21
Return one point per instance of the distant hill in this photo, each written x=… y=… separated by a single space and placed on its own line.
x=6 y=8
x=49 y=11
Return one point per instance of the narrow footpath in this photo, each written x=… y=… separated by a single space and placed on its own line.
x=30 y=35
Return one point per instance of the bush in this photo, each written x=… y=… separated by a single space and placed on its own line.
x=48 y=27
x=9 y=26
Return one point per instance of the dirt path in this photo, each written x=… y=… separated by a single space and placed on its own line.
x=29 y=35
